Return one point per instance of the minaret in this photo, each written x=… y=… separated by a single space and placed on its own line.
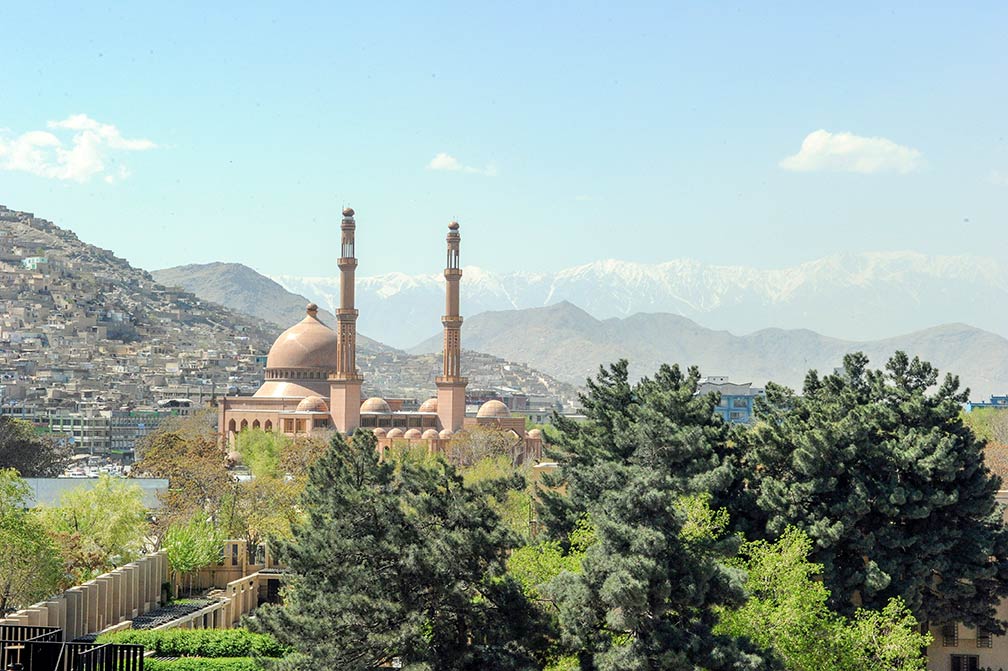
x=345 y=383
x=450 y=384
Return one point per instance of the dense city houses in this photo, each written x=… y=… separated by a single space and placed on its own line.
x=94 y=351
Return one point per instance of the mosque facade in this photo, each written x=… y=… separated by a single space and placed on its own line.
x=312 y=384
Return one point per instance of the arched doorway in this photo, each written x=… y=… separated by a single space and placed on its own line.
x=255 y=423
x=244 y=424
x=268 y=425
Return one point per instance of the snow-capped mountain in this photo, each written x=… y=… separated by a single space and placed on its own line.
x=852 y=296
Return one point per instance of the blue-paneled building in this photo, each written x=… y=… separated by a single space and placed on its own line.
x=737 y=399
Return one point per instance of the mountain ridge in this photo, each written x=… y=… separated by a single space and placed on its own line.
x=872 y=295
x=529 y=336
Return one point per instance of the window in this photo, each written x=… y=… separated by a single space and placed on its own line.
x=984 y=639
x=950 y=635
x=965 y=663
x=234 y=554
x=740 y=403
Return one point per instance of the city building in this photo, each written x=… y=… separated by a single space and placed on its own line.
x=996 y=402
x=737 y=399
x=312 y=382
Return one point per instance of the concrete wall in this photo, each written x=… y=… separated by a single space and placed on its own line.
x=107 y=601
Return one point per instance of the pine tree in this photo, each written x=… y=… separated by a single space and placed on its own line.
x=877 y=468
x=399 y=560
x=649 y=589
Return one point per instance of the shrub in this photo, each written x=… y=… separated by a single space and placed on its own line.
x=214 y=643
x=203 y=664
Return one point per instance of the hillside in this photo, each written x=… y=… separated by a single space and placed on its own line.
x=568 y=343
x=869 y=296
x=244 y=290
x=81 y=328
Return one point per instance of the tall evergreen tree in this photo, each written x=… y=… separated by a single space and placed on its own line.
x=399 y=560
x=648 y=591
x=877 y=468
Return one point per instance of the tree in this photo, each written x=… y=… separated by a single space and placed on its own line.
x=198 y=480
x=98 y=528
x=30 y=455
x=399 y=560
x=651 y=584
x=878 y=469
x=787 y=612
x=191 y=546
x=30 y=565
x=479 y=443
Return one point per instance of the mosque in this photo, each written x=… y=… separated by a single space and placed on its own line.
x=312 y=384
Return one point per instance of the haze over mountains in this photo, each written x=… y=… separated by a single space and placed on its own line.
x=567 y=343
x=853 y=296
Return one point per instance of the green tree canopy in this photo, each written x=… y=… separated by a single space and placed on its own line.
x=31 y=455
x=878 y=469
x=98 y=528
x=399 y=561
x=652 y=583
x=30 y=564
x=787 y=612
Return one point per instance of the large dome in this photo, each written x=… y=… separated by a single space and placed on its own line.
x=307 y=344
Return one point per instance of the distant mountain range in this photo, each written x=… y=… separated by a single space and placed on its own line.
x=387 y=371
x=568 y=343
x=854 y=296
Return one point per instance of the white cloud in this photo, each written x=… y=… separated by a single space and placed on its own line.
x=846 y=152
x=88 y=152
x=443 y=161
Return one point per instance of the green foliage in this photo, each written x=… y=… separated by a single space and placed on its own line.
x=98 y=528
x=192 y=545
x=989 y=424
x=33 y=456
x=515 y=507
x=878 y=469
x=787 y=613
x=205 y=643
x=399 y=559
x=30 y=564
x=652 y=582
x=204 y=664
x=261 y=450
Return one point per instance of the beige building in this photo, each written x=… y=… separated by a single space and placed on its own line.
x=312 y=382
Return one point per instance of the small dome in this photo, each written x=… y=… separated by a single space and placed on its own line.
x=375 y=405
x=453 y=226
x=430 y=405
x=395 y=433
x=535 y=433
x=493 y=409
x=312 y=404
x=234 y=457
x=430 y=434
x=348 y=212
x=379 y=432
x=445 y=434
x=412 y=434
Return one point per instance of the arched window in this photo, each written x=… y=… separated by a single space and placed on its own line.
x=244 y=424
x=231 y=426
x=255 y=423
x=268 y=425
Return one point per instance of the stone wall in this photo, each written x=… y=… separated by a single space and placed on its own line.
x=103 y=603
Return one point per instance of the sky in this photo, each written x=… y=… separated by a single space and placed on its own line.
x=557 y=134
